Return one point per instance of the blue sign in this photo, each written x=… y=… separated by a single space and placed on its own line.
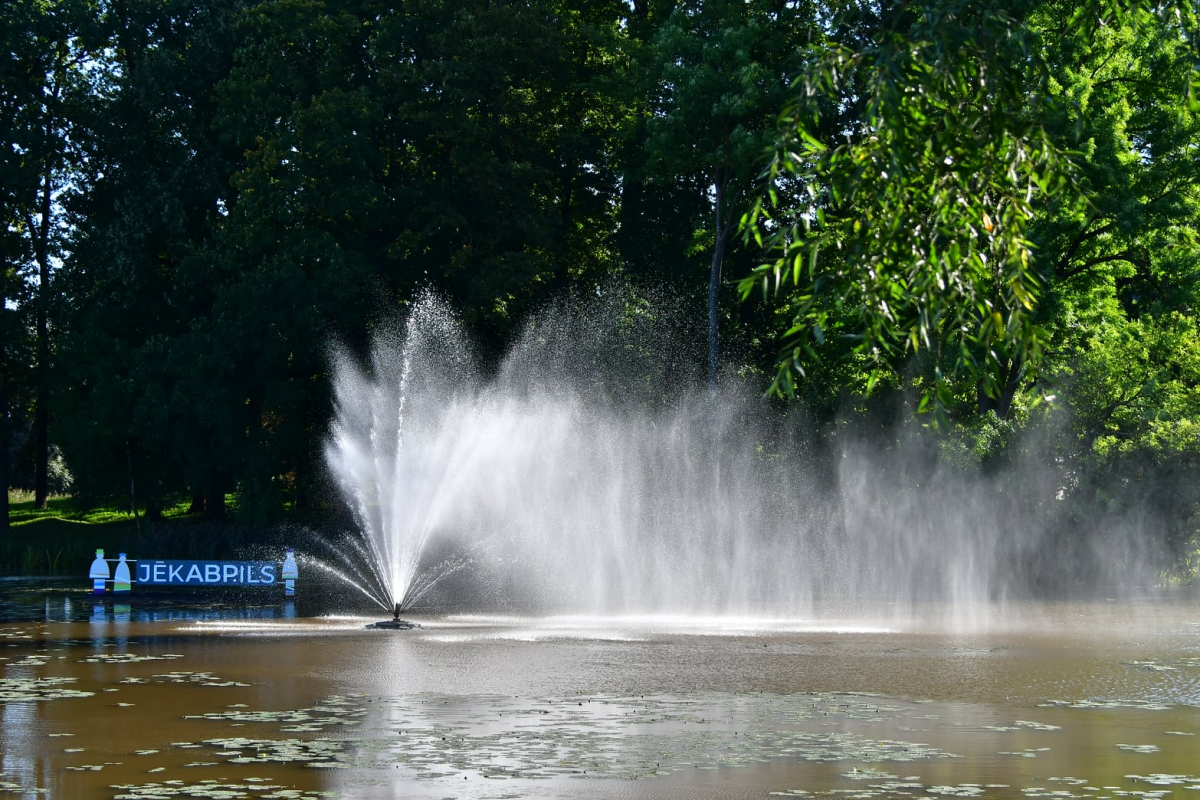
x=207 y=573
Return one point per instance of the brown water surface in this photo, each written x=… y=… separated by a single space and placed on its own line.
x=1090 y=699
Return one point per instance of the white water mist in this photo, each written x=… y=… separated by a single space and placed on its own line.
x=593 y=474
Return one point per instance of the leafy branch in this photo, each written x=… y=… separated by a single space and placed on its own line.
x=913 y=234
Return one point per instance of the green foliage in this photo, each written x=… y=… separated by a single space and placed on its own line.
x=1131 y=249
x=62 y=538
x=997 y=215
x=136 y=282
x=458 y=145
x=1137 y=389
x=720 y=72
x=54 y=72
x=912 y=233
x=980 y=441
x=1121 y=268
x=984 y=210
x=273 y=176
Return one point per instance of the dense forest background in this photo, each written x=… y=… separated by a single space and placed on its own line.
x=977 y=217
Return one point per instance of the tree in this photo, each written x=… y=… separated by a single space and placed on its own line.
x=11 y=283
x=1121 y=269
x=282 y=174
x=499 y=126
x=1132 y=442
x=11 y=338
x=936 y=237
x=913 y=233
x=136 y=282
x=1129 y=249
x=54 y=73
x=721 y=74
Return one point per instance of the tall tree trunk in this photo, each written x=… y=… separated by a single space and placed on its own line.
x=137 y=523
x=714 y=278
x=41 y=443
x=1011 y=373
x=1016 y=371
x=561 y=275
x=41 y=414
x=214 y=502
x=154 y=507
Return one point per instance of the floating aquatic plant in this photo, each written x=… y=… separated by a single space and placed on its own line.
x=1031 y=752
x=332 y=711
x=14 y=690
x=126 y=658
x=198 y=678
x=434 y=735
x=213 y=790
x=1165 y=779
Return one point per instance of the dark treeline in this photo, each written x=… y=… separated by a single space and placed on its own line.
x=985 y=211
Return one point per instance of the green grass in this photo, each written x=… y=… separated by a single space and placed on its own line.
x=21 y=510
x=63 y=537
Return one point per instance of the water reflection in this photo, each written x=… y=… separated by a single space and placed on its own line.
x=62 y=600
x=485 y=705
x=21 y=760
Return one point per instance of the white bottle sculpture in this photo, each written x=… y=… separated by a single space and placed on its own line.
x=290 y=573
x=99 y=572
x=121 y=579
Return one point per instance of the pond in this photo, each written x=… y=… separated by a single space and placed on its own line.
x=223 y=699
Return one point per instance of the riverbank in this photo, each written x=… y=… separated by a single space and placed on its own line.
x=62 y=538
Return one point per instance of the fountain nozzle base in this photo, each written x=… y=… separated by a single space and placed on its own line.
x=396 y=624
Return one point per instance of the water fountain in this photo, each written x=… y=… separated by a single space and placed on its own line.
x=591 y=475
x=594 y=487
x=399 y=453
